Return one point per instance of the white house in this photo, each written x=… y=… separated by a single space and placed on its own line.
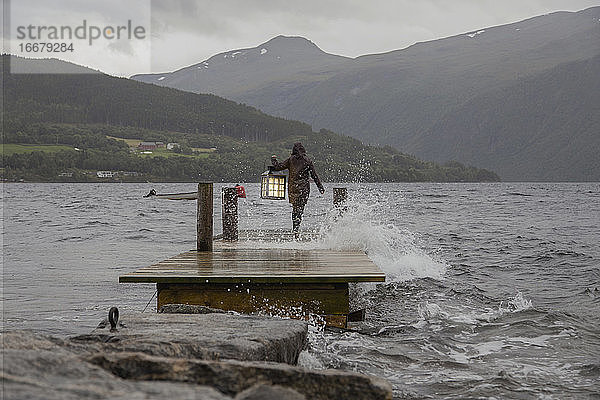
x=105 y=174
x=171 y=146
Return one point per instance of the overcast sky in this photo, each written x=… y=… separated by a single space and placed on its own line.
x=188 y=31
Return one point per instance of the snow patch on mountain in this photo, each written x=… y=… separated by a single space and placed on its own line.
x=472 y=35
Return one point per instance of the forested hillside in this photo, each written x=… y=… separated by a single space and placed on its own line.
x=102 y=99
x=92 y=114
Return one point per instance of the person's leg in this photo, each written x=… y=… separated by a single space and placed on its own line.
x=297 y=211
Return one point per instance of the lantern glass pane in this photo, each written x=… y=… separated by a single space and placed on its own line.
x=273 y=187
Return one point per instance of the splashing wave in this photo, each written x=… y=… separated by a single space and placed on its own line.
x=391 y=247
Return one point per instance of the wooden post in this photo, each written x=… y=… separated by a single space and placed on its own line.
x=204 y=224
x=340 y=195
x=229 y=213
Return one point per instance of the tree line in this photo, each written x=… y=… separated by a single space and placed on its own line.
x=338 y=159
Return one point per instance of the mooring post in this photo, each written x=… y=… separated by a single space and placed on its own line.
x=204 y=225
x=340 y=195
x=229 y=213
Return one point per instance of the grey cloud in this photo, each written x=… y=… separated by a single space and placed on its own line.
x=240 y=19
x=189 y=31
x=121 y=46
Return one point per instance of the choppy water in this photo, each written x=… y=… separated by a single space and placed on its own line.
x=493 y=290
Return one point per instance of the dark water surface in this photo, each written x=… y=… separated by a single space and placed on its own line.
x=493 y=290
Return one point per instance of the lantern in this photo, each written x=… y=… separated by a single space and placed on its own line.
x=272 y=185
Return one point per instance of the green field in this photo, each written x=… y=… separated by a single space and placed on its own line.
x=7 y=149
x=162 y=152
x=15 y=148
x=130 y=142
x=203 y=150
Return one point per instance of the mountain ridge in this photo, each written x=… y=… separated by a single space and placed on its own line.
x=396 y=98
x=301 y=57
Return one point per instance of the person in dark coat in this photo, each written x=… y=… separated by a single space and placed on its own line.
x=301 y=168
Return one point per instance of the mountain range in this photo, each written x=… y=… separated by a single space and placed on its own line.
x=522 y=99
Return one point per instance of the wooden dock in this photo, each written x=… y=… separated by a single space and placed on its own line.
x=250 y=276
x=253 y=272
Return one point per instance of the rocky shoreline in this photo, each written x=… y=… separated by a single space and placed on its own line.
x=184 y=353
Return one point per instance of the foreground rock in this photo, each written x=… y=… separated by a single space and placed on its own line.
x=205 y=336
x=59 y=374
x=266 y=392
x=232 y=377
x=158 y=356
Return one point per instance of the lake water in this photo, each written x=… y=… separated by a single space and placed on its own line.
x=493 y=290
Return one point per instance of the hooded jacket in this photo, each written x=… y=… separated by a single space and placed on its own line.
x=301 y=168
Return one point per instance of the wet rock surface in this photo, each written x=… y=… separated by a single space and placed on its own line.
x=231 y=377
x=205 y=336
x=267 y=392
x=182 y=356
x=59 y=374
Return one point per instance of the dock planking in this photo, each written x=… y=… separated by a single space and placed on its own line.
x=234 y=265
x=253 y=275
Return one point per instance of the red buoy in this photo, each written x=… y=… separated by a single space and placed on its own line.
x=241 y=192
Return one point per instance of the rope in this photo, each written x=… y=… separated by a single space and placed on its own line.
x=150 y=299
